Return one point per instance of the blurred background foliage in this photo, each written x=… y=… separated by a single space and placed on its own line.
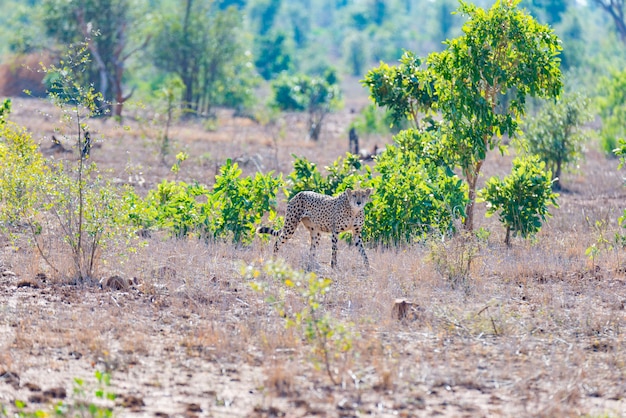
x=223 y=50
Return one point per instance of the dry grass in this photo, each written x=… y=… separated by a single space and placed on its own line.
x=535 y=330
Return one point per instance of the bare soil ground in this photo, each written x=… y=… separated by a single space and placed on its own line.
x=537 y=330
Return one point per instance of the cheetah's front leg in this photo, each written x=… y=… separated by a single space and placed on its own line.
x=358 y=241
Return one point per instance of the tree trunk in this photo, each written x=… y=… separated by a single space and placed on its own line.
x=186 y=72
x=557 y=177
x=315 y=124
x=472 y=180
x=469 y=209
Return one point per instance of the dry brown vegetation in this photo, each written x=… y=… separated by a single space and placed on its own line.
x=535 y=331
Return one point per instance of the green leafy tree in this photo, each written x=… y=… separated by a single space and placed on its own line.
x=612 y=105
x=407 y=89
x=263 y=14
x=273 y=54
x=202 y=45
x=521 y=198
x=317 y=96
x=356 y=53
x=86 y=207
x=105 y=26
x=556 y=134
x=300 y=20
x=502 y=53
x=503 y=50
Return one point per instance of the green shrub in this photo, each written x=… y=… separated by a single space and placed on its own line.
x=344 y=173
x=238 y=204
x=522 y=197
x=5 y=109
x=23 y=174
x=69 y=201
x=305 y=176
x=415 y=194
x=90 y=212
x=232 y=209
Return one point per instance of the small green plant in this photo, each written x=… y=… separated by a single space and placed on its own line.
x=602 y=242
x=86 y=208
x=79 y=405
x=453 y=256
x=180 y=158
x=329 y=338
x=521 y=198
x=556 y=134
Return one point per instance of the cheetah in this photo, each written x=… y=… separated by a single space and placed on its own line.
x=320 y=213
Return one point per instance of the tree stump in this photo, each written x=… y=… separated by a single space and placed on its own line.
x=401 y=309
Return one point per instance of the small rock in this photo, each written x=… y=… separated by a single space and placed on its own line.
x=115 y=283
x=10 y=378
x=32 y=387
x=28 y=283
x=56 y=393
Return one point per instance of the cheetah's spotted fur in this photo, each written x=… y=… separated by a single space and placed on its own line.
x=320 y=213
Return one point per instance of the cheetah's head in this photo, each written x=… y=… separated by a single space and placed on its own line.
x=358 y=198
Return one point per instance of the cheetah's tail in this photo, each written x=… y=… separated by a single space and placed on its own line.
x=267 y=230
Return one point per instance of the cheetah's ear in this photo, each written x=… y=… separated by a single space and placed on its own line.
x=368 y=192
x=348 y=192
